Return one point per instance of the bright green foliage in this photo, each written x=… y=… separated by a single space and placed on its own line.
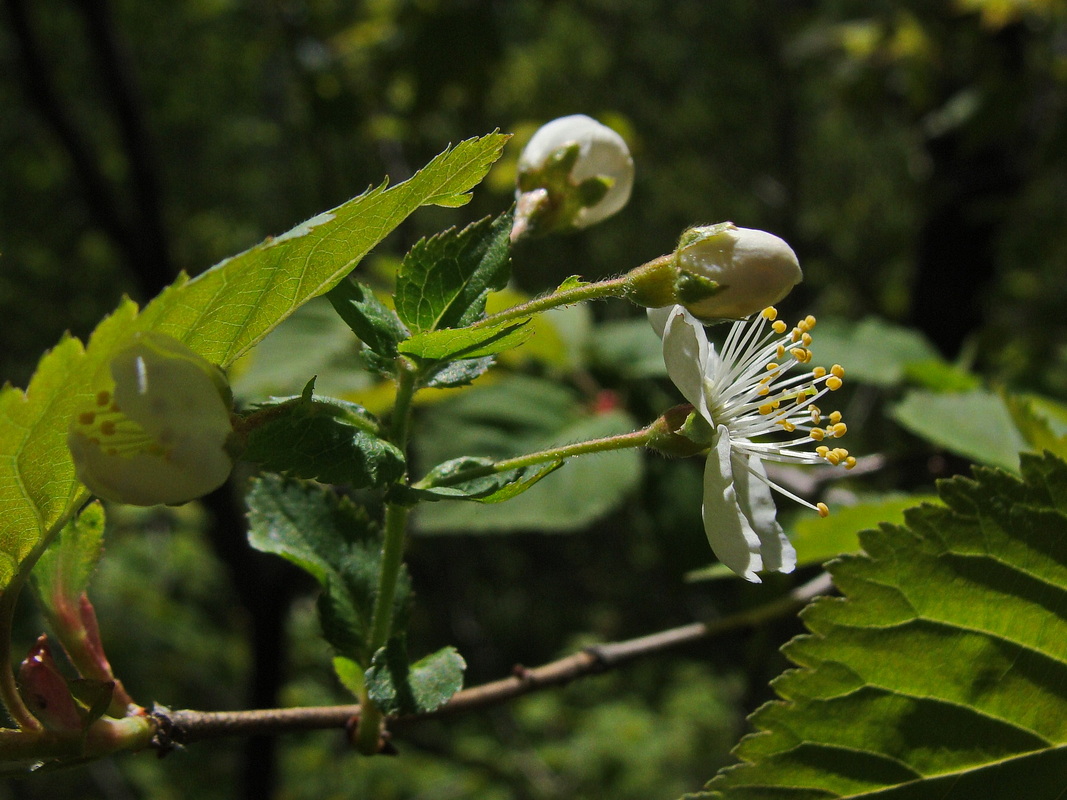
x=334 y=541
x=1041 y=421
x=445 y=280
x=521 y=415
x=399 y=688
x=943 y=671
x=220 y=315
x=973 y=424
x=494 y=487
x=63 y=571
x=467 y=342
x=323 y=439
x=376 y=325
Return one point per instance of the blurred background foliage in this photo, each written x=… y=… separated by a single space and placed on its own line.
x=914 y=154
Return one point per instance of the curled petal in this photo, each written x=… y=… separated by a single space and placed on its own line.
x=729 y=532
x=686 y=353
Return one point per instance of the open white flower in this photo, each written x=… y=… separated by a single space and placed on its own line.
x=745 y=395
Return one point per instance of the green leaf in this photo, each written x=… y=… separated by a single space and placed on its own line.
x=872 y=351
x=336 y=543
x=458 y=373
x=973 y=424
x=398 y=689
x=220 y=314
x=818 y=539
x=63 y=571
x=444 y=280
x=943 y=671
x=376 y=325
x=459 y=343
x=1041 y=422
x=524 y=415
x=323 y=439
x=494 y=487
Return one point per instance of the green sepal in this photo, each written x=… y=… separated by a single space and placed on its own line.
x=323 y=439
x=592 y=190
x=444 y=280
x=376 y=325
x=399 y=688
x=334 y=541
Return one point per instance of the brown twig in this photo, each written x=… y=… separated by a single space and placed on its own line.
x=185 y=727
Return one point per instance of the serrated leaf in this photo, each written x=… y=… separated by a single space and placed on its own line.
x=491 y=488
x=323 y=439
x=943 y=671
x=444 y=280
x=524 y=415
x=376 y=325
x=220 y=315
x=973 y=424
x=63 y=571
x=459 y=343
x=459 y=373
x=336 y=543
x=398 y=688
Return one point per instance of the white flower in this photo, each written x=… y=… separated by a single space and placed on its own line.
x=161 y=435
x=744 y=394
x=751 y=269
x=574 y=172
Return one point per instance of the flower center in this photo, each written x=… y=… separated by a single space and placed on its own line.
x=116 y=434
x=752 y=392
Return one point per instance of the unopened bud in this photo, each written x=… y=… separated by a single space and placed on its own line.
x=718 y=272
x=573 y=173
x=161 y=434
x=726 y=272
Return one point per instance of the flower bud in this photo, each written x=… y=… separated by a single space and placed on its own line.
x=45 y=691
x=573 y=173
x=726 y=272
x=161 y=434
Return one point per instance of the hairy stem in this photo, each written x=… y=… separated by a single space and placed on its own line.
x=613 y=287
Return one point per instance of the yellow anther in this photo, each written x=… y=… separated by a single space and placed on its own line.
x=822 y=450
x=815 y=414
x=769 y=313
x=806 y=339
x=850 y=462
x=823 y=509
x=835 y=417
x=800 y=354
x=107 y=427
x=766 y=409
x=818 y=434
x=779 y=326
x=839 y=429
x=794 y=335
x=763 y=391
x=837 y=370
x=103 y=398
x=833 y=383
x=818 y=372
x=787 y=426
x=771 y=366
x=810 y=320
x=781 y=352
x=86 y=417
x=833 y=457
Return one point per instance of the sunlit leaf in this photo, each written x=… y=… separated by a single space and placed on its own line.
x=942 y=673
x=398 y=687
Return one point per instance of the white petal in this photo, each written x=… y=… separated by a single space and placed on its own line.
x=729 y=533
x=685 y=352
x=757 y=506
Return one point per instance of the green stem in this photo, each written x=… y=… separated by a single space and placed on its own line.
x=368 y=732
x=613 y=287
x=622 y=441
